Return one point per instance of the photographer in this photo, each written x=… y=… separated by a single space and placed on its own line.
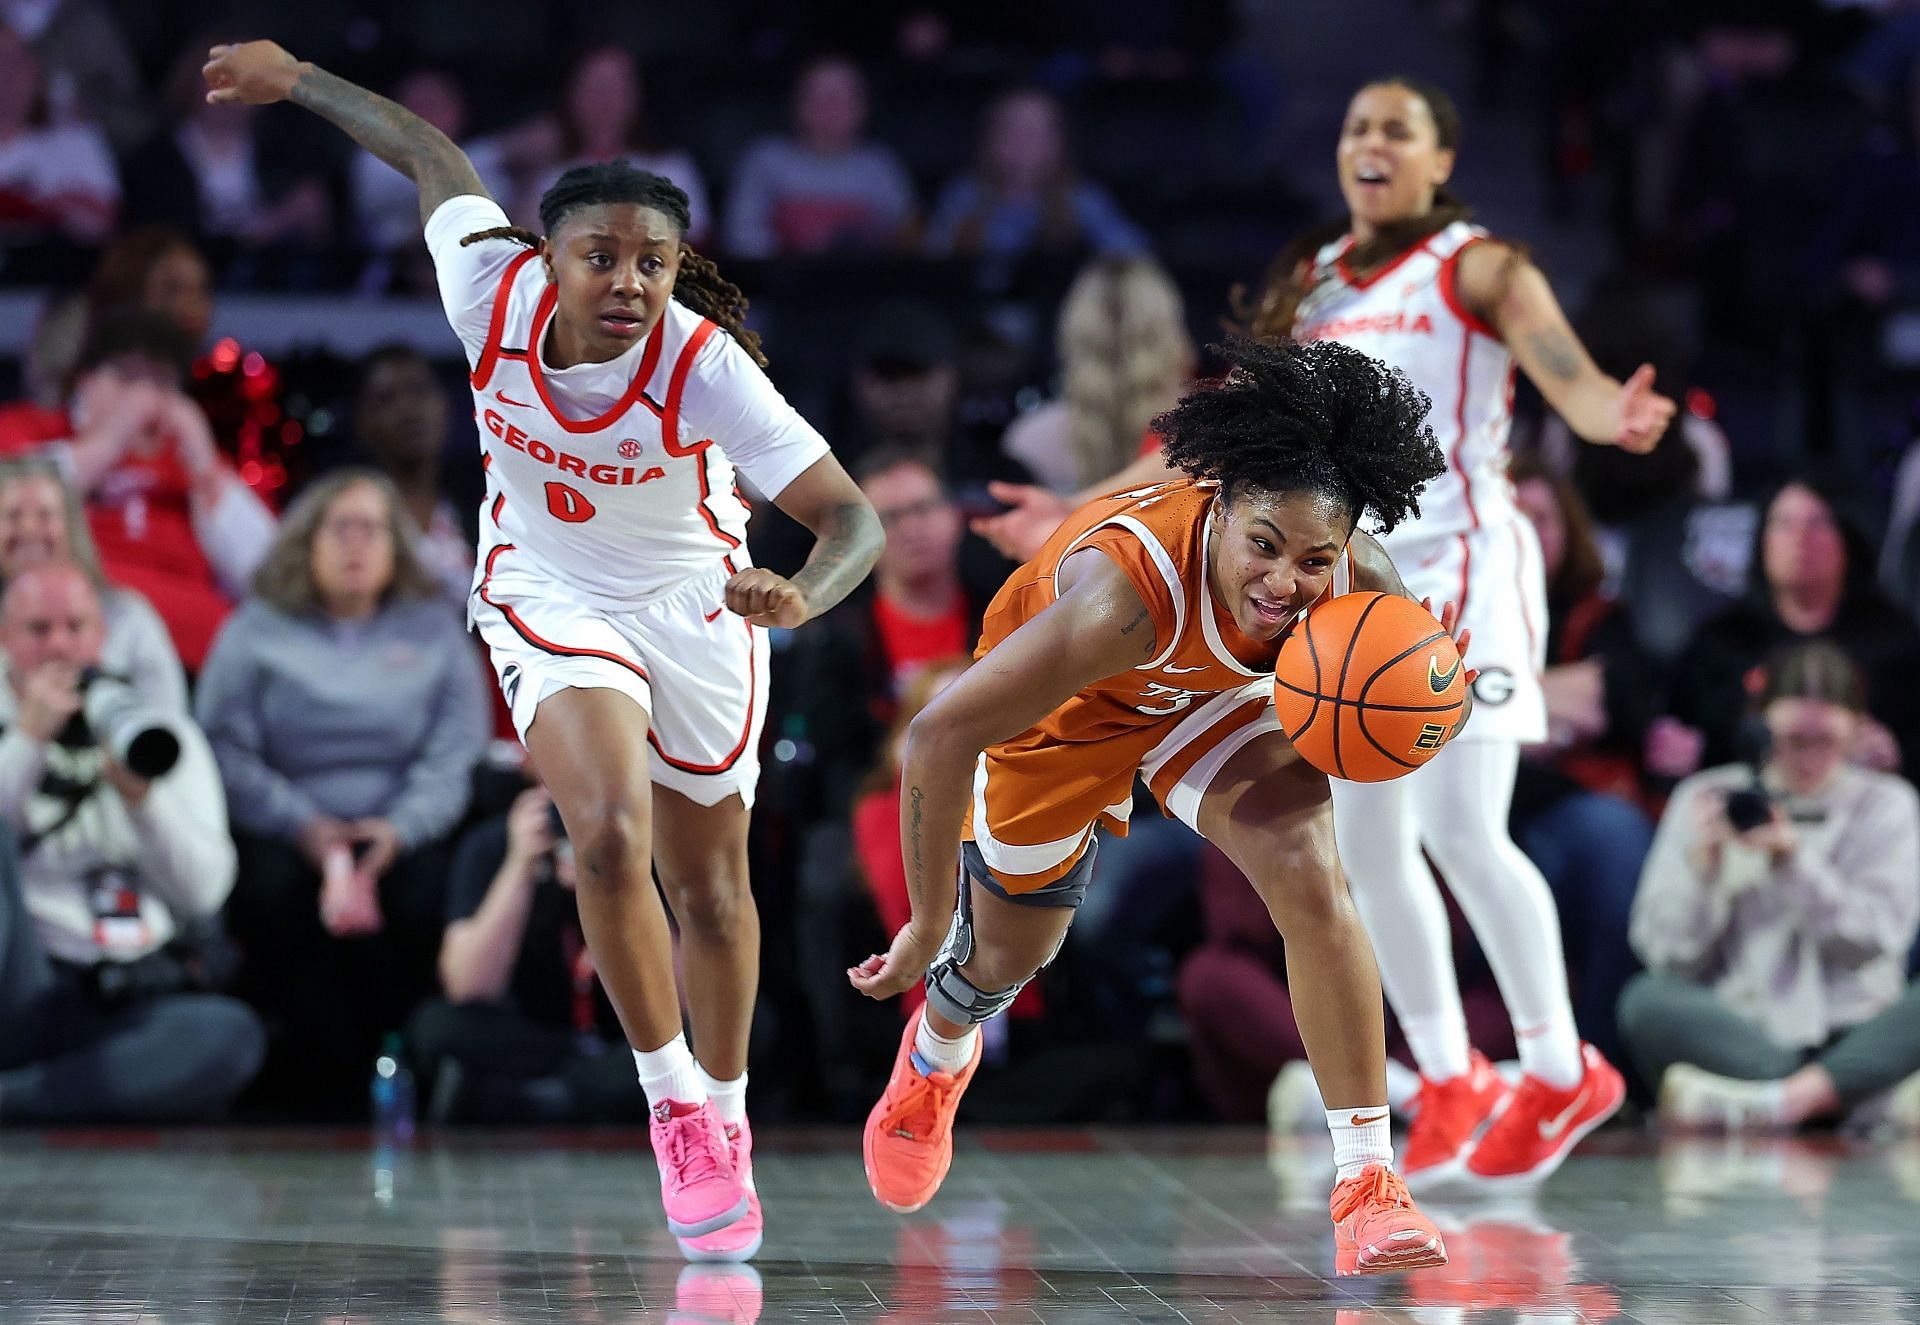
x=523 y=1032
x=102 y=1014
x=1775 y=914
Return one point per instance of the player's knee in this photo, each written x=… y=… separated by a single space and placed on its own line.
x=710 y=905
x=616 y=844
x=1306 y=898
x=991 y=968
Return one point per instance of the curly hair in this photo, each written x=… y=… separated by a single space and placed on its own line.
x=699 y=286
x=1319 y=417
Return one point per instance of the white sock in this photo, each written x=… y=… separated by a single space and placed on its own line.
x=941 y=1054
x=1439 y=1045
x=1461 y=802
x=729 y=1097
x=1551 y=1051
x=1360 y=1137
x=669 y=1073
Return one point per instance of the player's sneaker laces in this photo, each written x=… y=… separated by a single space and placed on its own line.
x=1447 y=1116
x=1377 y=1229
x=740 y=1240
x=1540 y=1124
x=908 y=1145
x=698 y=1185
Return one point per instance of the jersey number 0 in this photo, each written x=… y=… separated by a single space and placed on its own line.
x=569 y=505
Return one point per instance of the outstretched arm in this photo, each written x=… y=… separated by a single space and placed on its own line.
x=1513 y=295
x=261 y=72
x=848 y=539
x=1099 y=626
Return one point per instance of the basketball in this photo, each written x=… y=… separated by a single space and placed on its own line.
x=1368 y=687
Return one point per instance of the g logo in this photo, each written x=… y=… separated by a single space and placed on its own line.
x=1494 y=686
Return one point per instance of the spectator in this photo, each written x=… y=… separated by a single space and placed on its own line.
x=1775 y=916
x=55 y=180
x=215 y=172
x=167 y=512
x=109 y=889
x=824 y=188
x=1812 y=578
x=1024 y=194
x=848 y=672
x=522 y=1031
x=41 y=522
x=400 y=423
x=386 y=204
x=347 y=711
x=158 y=270
x=91 y=60
x=603 y=116
x=1576 y=811
x=1125 y=356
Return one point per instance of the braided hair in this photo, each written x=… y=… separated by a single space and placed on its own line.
x=1318 y=417
x=699 y=286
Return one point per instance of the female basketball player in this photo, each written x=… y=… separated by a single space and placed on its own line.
x=1407 y=279
x=614 y=592
x=1141 y=641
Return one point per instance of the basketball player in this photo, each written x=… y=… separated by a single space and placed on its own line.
x=1141 y=641
x=616 y=389
x=1406 y=278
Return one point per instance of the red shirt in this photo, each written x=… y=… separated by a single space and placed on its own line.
x=141 y=520
x=911 y=642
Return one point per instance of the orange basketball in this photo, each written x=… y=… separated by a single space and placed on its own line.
x=1368 y=687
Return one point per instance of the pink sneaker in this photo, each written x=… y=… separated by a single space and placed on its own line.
x=698 y=1185
x=739 y=1240
x=717 y=1295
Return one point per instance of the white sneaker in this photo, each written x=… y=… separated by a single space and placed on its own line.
x=1293 y=1101
x=1692 y=1097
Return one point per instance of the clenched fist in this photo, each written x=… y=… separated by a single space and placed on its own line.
x=766 y=599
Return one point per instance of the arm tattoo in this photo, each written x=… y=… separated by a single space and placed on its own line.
x=849 y=543
x=1136 y=623
x=918 y=797
x=403 y=140
x=1558 y=355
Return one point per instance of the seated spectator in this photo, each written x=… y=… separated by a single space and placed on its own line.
x=1576 y=808
x=825 y=188
x=1024 y=194
x=41 y=522
x=84 y=47
x=522 y=1031
x=170 y=517
x=386 y=204
x=1775 y=915
x=110 y=888
x=1812 y=577
x=347 y=710
x=214 y=171
x=55 y=180
x=602 y=117
x=158 y=270
x=400 y=425
x=1125 y=357
x=848 y=672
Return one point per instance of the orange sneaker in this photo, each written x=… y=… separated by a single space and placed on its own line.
x=1377 y=1230
x=908 y=1144
x=1541 y=1124
x=1448 y=1115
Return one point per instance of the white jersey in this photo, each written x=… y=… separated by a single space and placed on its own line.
x=614 y=481
x=1410 y=316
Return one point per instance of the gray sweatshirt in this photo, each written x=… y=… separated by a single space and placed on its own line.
x=1805 y=948
x=383 y=717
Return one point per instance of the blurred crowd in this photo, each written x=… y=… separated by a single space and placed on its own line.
x=985 y=243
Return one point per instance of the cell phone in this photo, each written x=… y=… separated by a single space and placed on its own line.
x=1749 y=808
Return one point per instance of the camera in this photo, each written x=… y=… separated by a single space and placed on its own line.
x=1751 y=806
x=114 y=717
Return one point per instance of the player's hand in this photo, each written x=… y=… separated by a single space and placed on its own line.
x=1461 y=636
x=766 y=599
x=1019 y=532
x=254 y=72
x=903 y=964
x=1641 y=414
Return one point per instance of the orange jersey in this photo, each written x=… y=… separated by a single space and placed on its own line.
x=1038 y=796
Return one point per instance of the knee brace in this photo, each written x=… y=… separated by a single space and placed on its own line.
x=949 y=992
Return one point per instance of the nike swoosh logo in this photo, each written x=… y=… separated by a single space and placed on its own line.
x=1437 y=680
x=505 y=399
x=1357 y=1121
x=1551 y=1129
x=713 y=615
x=1171 y=668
